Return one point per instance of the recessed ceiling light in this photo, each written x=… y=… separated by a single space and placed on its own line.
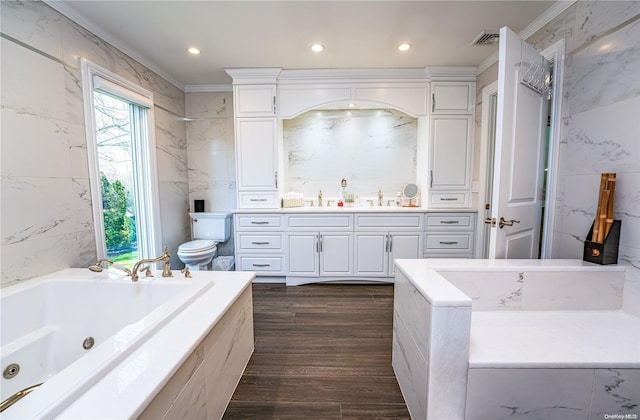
x=317 y=47
x=405 y=46
x=194 y=50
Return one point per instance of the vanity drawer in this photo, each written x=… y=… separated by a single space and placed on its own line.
x=450 y=221
x=389 y=221
x=258 y=200
x=258 y=221
x=446 y=242
x=320 y=222
x=452 y=199
x=252 y=242
x=269 y=265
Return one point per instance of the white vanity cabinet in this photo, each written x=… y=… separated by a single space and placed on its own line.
x=319 y=245
x=451 y=144
x=381 y=238
x=449 y=235
x=259 y=241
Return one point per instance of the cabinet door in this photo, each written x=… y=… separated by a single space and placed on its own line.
x=254 y=100
x=336 y=254
x=452 y=97
x=303 y=254
x=450 y=154
x=403 y=246
x=256 y=150
x=371 y=254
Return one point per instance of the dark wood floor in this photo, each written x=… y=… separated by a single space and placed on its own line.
x=322 y=351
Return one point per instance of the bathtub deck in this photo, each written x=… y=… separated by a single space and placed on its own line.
x=558 y=339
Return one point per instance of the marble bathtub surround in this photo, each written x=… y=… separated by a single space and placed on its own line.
x=550 y=357
x=372 y=149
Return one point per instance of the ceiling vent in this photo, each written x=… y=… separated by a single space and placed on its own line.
x=486 y=38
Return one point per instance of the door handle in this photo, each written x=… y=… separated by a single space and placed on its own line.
x=504 y=223
x=490 y=221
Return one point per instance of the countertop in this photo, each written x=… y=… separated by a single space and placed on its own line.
x=360 y=209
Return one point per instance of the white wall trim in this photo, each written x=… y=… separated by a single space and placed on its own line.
x=150 y=201
x=487 y=92
x=556 y=54
x=546 y=17
x=97 y=30
x=208 y=88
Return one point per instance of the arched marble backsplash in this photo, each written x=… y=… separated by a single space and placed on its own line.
x=374 y=149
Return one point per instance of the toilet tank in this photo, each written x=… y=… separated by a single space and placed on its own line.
x=215 y=226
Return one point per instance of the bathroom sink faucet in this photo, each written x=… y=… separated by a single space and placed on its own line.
x=166 y=265
x=380 y=198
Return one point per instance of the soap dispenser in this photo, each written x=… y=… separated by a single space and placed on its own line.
x=399 y=199
x=341 y=191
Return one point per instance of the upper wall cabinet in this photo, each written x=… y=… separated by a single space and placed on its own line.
x=254 y=101
x=452 y=97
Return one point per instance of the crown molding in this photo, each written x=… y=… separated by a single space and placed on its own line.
x=208 y=88
x=450 y=73
x=547 y=16
x=249 y=76
x=333 y=76
x=95 y=29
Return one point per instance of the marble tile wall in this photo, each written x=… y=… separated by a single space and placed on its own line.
x=600 y=126
x=211 y=154
x=552 y=393
x=373 y=149
x=47 y=220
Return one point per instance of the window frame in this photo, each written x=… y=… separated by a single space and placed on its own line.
x=147 y=199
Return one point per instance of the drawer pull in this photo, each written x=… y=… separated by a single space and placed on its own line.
x=260 y=243
x=448 y=199
x=448 y=242
x=449 y=222
x=261 y=265
x=257 y=199
x=253 y=222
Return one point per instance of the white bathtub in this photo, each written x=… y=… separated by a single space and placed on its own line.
x=491 y=339
x=46 y=320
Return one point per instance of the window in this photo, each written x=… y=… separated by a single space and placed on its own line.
x=122 y=166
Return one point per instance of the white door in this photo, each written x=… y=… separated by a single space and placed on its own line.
x=520 y=134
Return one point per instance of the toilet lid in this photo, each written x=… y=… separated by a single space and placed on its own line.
x=198 y=245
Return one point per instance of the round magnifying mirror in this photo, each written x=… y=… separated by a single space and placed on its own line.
x=410 y=192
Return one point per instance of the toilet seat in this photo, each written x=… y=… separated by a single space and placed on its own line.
x=197 y=246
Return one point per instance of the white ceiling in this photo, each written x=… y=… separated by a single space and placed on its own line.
x=356 y=34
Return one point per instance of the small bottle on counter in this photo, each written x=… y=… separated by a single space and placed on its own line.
x=399 y=199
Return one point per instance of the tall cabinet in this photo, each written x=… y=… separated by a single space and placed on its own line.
x=256 y=135
x=451 y=143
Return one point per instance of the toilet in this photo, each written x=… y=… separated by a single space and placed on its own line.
x=207 y=231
